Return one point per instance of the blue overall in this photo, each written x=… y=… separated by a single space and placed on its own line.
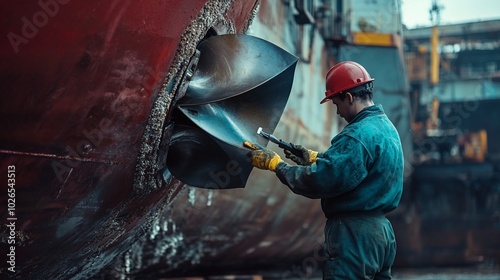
x=358 y=179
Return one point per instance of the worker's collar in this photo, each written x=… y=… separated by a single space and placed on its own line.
x=375 y=109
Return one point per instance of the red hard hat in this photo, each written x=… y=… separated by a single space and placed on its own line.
x=343 y=76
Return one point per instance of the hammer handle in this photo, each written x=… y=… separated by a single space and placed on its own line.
x=285 y=145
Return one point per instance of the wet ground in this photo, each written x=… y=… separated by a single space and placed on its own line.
x=447 y=274
x=490 y=273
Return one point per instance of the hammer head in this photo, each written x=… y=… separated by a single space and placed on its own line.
x=259 y=130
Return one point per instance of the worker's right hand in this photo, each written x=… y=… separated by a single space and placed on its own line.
x=308 y=156
x=262 y=158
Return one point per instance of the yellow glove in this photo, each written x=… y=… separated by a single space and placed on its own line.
x=308 y=156
x=263 y=158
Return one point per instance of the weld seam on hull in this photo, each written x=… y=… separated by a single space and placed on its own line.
x=42 y=155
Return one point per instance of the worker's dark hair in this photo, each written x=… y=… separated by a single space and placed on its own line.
x=363 y=92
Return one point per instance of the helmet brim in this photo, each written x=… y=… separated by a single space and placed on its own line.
x=331 y=95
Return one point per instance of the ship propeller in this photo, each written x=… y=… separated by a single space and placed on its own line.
x=240 y=83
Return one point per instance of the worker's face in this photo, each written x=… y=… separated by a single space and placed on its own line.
x=344 y=107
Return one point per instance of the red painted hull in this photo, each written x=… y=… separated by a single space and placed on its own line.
x=79 y=83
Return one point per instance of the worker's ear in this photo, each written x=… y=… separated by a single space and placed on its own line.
x=350 y=97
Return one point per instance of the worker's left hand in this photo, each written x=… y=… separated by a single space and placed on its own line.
x=263 y=158
x=308 y=156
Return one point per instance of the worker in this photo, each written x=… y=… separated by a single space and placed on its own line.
x=359 y=178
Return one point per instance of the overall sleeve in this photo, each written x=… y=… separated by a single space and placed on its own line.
x=340 y=169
